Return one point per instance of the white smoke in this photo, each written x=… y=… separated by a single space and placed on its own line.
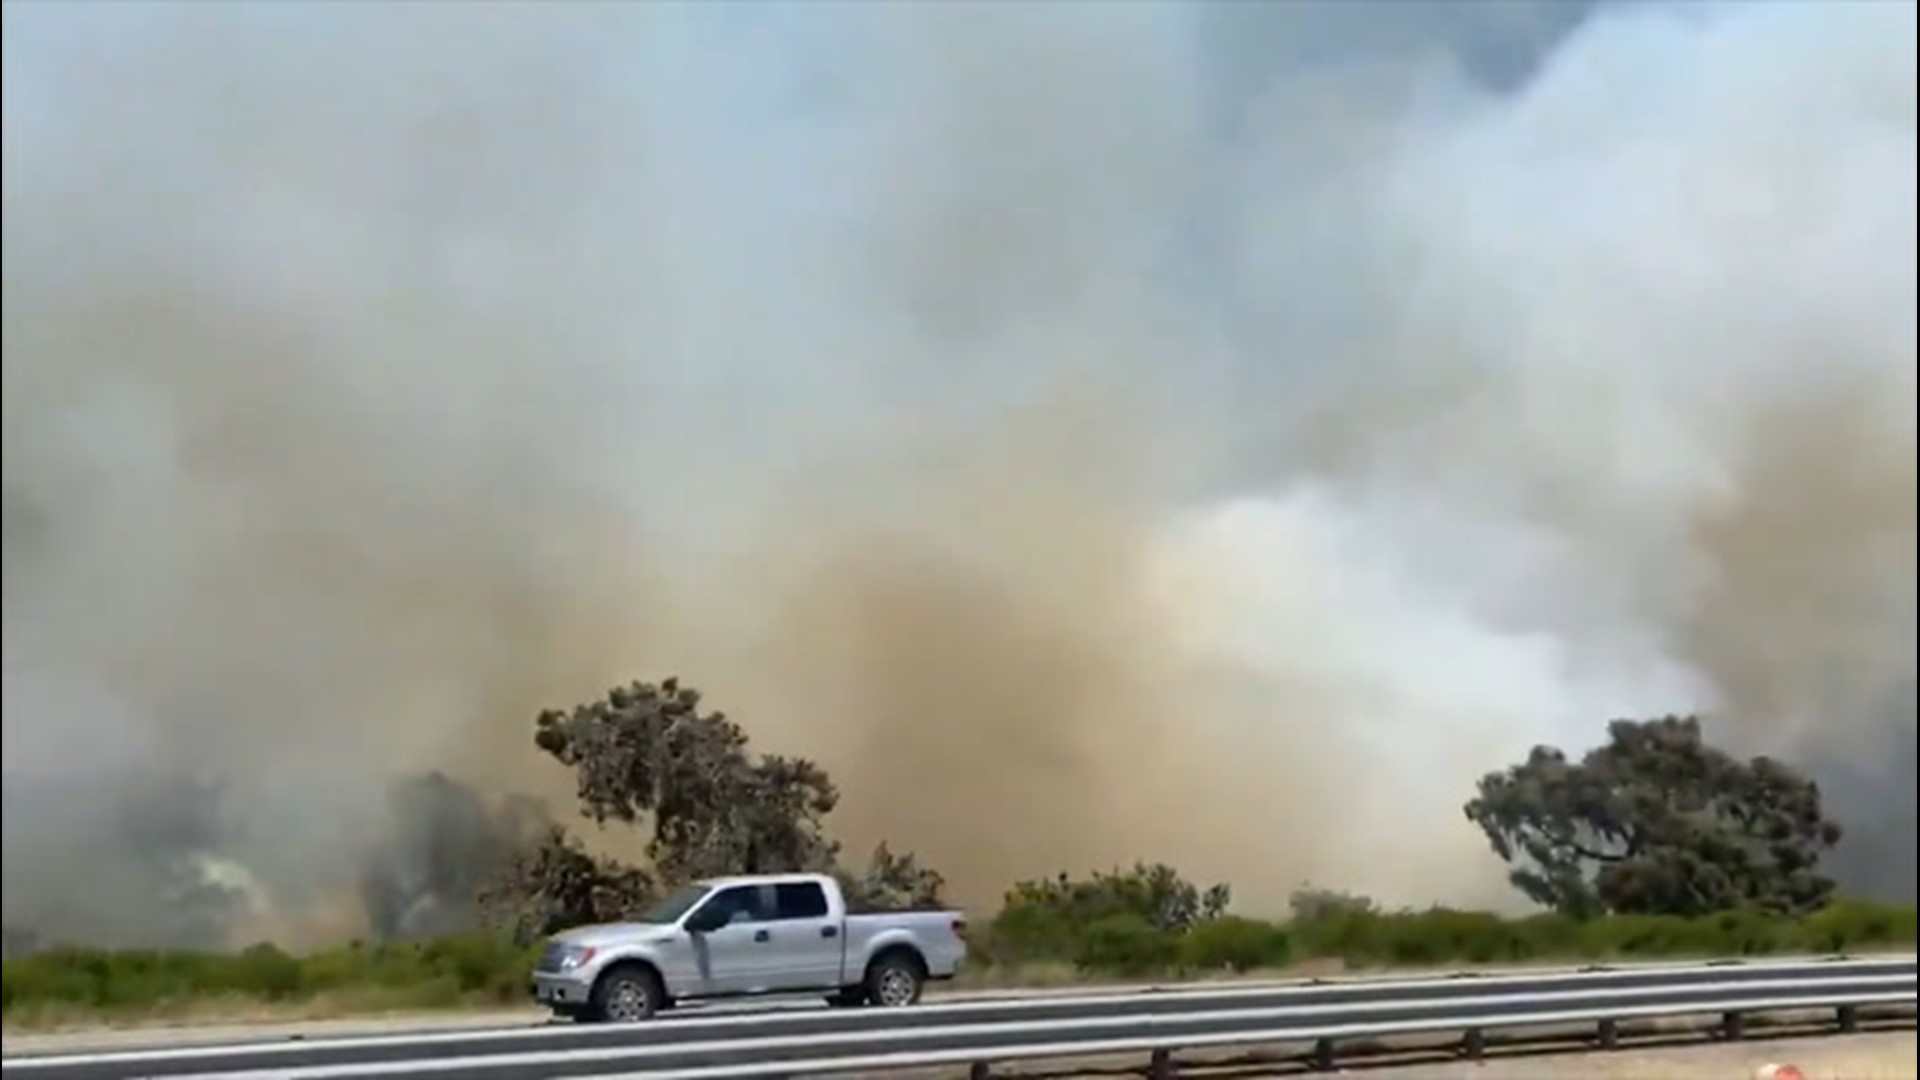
x=1211 y=433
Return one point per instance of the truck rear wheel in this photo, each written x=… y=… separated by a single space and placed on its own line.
x=626 y=994
x=895 y=979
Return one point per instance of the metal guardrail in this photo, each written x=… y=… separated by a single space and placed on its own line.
x=885 y=1042
x=1161 y=1046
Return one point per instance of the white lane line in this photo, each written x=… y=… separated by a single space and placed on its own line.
x=982 y=1034
x=870 y=1021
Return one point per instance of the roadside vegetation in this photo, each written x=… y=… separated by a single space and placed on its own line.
x=1116 y=927
x=1653 y=846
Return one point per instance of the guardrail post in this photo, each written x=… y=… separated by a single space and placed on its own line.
x=1609 y=1034
x=1848 y=1017
x=1474 y=1046
x=979 y=1070
x=1323 y=1055
x=1733 y=1026
x=1162 y=1066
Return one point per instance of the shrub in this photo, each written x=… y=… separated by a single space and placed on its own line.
x=1849 y=923
x=1651 y=936
x=447 y=971
x=1025 y=932
x=1309 y=902
x=266 y=972
x=1232 y=943
x=1088 y=930
x=476 y=963
x=1154 y=893
x=1552 y=933
x=1126 y=944
x=1351 y=934
x=1752 y=932
x=1359 y=935
x=1442 y=935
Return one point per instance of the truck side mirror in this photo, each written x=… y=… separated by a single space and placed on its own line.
x=703 y=921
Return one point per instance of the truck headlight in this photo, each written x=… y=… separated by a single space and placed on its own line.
x=574 y=957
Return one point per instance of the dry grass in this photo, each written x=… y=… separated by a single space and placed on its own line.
x=238 y=1010
x=245 y=1021
x=1882 y=1055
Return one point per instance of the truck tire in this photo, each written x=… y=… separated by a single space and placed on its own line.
x=626 y=994
x=895 y=979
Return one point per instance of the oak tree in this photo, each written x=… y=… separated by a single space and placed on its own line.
x=647 y=754
x=1655 y=821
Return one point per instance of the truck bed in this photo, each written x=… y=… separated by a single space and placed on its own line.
x=935 y=932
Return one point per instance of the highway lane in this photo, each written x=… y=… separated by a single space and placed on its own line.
x=530 y=1020
x=672 y=1043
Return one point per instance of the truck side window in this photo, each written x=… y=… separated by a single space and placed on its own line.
x=740 y=903
x=800 y=900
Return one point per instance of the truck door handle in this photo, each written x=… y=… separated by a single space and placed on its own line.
x=760 y=935
x=829 y=931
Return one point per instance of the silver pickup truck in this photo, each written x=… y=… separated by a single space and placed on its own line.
x=766 y=934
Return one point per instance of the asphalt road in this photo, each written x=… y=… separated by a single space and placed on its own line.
x=796 y=1036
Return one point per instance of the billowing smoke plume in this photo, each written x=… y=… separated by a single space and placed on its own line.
x=1167 y=431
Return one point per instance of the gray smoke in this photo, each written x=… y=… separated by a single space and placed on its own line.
x=1214 y=433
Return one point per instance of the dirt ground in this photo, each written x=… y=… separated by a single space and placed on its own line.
x=1875 y=1056
x=1886 y=1052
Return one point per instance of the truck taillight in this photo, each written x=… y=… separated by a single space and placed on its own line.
x=960 y=929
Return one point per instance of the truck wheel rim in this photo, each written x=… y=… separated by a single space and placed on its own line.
x=627 y=1002
x=896 y=987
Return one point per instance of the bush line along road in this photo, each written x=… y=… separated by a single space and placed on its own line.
x=813 y=1042
x=64 y=985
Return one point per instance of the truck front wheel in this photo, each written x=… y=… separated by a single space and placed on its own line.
x=894 y=979
x=626 y=994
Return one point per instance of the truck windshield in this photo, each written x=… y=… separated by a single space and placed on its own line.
x=674 y=905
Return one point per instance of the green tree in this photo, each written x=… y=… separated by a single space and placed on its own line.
x=554 y=883
x=648 y=754
x=1657 y=822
